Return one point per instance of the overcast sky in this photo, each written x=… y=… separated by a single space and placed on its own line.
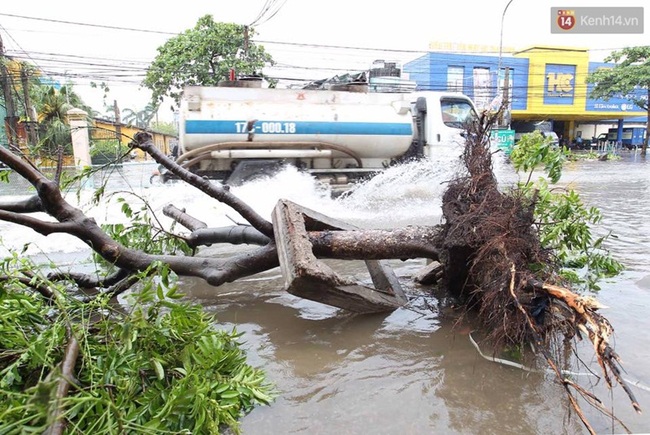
x=339 y=34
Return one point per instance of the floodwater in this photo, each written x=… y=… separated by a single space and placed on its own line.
x=413 y=371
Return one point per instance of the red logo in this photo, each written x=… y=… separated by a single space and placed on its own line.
x=566 y=19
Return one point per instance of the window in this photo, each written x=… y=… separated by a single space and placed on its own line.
x=456 y=112
x=455 y=78
x=482 y=92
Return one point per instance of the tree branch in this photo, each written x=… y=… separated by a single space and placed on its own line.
x=219 y=271
x=28 y=282
x=202 y=235
x=178 y=215
x=67 y=375
x=40 y=226
x=409 y=242
x=22 y=167
x=143 y=141
x=28 y=205
x=88 y=281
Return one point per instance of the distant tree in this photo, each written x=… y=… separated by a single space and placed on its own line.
x=631 y=72
x=109 y=110
x=164 y=127
x=203 y=56
x=49 y=100
x=52 y=107
x=52 y=103
x=141 y=118
x=130 y=116
x=18 y=74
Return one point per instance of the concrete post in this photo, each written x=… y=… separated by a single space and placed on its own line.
x=78 y=121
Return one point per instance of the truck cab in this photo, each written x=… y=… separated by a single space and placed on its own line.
x=631 y=138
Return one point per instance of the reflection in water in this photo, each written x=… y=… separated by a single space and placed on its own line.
x=413 y=371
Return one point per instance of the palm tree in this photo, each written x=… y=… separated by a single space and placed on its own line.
x=141 y=119
x=131 y=117
x=52 y=106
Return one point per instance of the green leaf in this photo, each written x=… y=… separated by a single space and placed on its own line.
x=158 y=368
x=159 y=292
x=229 y=394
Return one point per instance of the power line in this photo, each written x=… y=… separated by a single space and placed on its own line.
x=16 y=42
x=129 y=29
x=99 y=26
x=267 y=13
x=132 y=72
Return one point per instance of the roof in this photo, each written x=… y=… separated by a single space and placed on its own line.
x=551 y=48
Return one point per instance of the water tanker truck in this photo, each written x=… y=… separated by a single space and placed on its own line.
x=237 y=134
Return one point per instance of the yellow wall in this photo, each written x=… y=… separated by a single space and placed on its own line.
x=553 y=84
x=538 y=58
x=162 y=141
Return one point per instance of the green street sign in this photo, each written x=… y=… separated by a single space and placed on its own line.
x=503 y=140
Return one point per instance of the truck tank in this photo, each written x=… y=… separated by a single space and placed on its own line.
x=237 y=133
x=320 y=128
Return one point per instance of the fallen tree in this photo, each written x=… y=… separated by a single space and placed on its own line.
x=490 y=252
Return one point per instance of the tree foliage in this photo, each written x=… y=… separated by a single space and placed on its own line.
x=164 y=127
x=203 y=56
x=157 y=366
x=630 y=73
x=52 y=106
x=563 y=221
x=140 y=118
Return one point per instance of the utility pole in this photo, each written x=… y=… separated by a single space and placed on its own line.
x=505 y=114
x=246 y=41
x=11 y=121
x=29 y=110
x=118 y=125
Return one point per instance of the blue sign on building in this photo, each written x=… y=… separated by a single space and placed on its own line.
x=49 y=81
x=614 y=104
x=463 y=72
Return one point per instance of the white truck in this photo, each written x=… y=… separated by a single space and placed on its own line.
x=235 y=134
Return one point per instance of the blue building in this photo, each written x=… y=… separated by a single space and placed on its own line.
x=543 y=84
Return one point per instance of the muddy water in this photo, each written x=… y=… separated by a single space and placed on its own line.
x=413 y=371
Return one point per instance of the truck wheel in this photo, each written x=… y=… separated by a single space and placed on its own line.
x=157 y=179
x=265 y=173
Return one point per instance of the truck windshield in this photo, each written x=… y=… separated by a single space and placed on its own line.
x=456 y=112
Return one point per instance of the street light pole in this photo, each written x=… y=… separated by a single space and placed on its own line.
x=503 y=15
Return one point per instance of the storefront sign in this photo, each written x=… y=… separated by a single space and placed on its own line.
x=503 y=140
x=559 y=84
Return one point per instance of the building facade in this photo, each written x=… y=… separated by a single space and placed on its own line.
x=99 y=130
x=544 y=84
x=102 y=129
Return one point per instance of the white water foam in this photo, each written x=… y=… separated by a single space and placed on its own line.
x=407 y=194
